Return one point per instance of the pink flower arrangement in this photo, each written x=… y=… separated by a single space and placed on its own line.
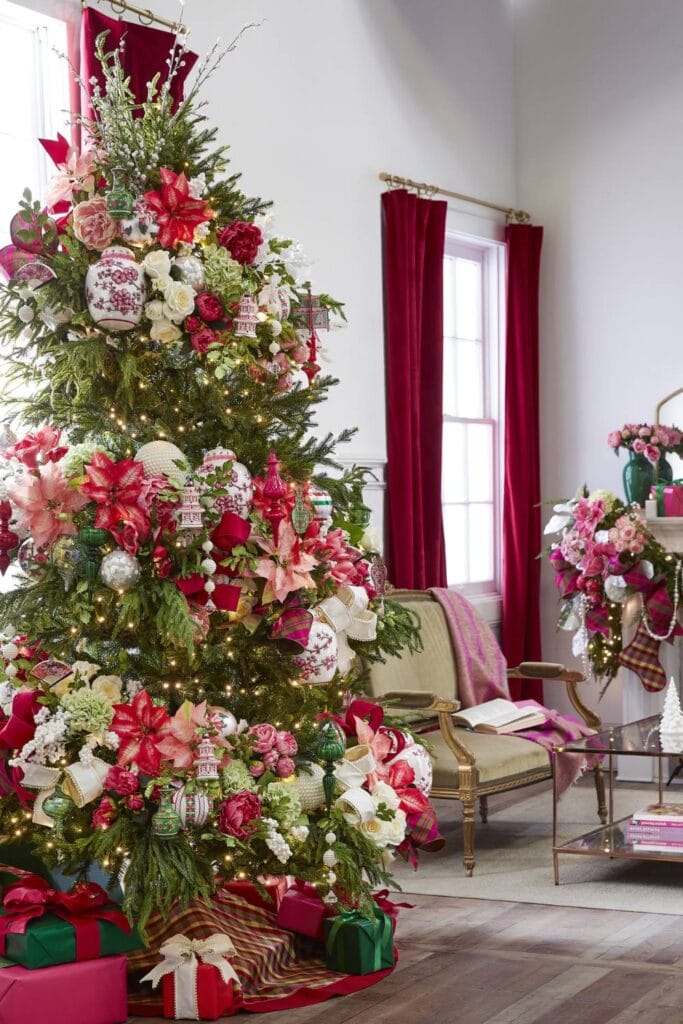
x=48 y=502
x=276 y=748
x=92 y=224
x=628 y=535
x=649 y=439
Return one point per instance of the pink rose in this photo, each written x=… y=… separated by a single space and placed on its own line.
x=208 y=306
x=285 y=767
x=192 y=324
x=92 y=224
x=121 y=781
x=257 y=769
x=201 y=339
x=263 y=737
x=104 y=814
x=652 y=453
x=644 y=432
x=271 y=759
x=135 y=802
x=614 y=439
x=638 y=446
x=238 y=814
x=285 y=743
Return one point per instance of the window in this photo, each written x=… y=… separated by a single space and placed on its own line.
x=474 y=282
x=34 y=82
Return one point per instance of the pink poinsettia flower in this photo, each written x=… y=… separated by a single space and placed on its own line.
x=140 y=726
x=380 y=745
x=179 y=739
x=119 y=489
x=40 y=446
x=47 y=503
x=345 y=564
x=76 y=174
x=287 y=568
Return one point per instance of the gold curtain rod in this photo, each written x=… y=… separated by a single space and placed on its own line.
x=422 y=188
x=145 y=16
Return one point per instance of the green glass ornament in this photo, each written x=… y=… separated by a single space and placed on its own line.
x=329 y=746
x=90 y=540
x=58 y=805
x=301 y=517
x=166 y=821
x=120 y=202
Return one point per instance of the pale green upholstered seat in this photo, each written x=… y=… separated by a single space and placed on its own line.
x=468 y=766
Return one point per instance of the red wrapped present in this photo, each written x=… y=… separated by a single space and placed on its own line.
x=92 y=992
x=275 y=885
x=672 y=497
x=198 y=981
x=303 y=911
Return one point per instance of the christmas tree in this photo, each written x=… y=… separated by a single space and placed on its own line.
x=195 y=585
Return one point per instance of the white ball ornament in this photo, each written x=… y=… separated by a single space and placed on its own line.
x=193 y=808
x=329 y=858
x=331 y=878
x=224 y=722
x=119 y=570
x=26 y=314
x=208 y=566
x=11 y=671
x=9 y=650
x=330 y=838
x=317 y=663
x=209 y=586
x=309 y=787
x=162 y=458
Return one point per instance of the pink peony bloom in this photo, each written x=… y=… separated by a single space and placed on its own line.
x=264 y=737
x=47 y=502
x=120 y=780
x=257 y=769
x=285 y=767
x=285 y=743
x=652 y=453
x=638 y=446
x=239 y=814
x=135 y=802
x=270 y=760
x=615 y=439
x=92 y=224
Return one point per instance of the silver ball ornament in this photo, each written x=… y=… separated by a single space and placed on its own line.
x=119 y=570
x=190 y=271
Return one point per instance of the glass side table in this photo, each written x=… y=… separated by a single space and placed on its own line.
x=640 y=739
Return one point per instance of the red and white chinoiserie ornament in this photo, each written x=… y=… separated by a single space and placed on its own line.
x=223 y=721
x=140 y=229
x=115 y=290
x=206 y=762
x=247 y=318
x=317 y=663
x=190 y=513
x=193 y=808
x=419 y=760
x=239 y=489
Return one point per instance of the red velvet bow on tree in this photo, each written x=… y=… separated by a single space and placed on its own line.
x=83 y=908
x=230 y=531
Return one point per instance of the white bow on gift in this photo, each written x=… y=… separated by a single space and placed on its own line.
x=83 y=781
x=347 y=612
x=180 y=959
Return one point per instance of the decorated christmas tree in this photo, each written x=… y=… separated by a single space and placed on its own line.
x=194 y=595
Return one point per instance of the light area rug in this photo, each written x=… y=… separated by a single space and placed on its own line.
x=514 y=857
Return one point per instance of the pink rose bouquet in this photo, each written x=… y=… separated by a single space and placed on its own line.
x=649 y=439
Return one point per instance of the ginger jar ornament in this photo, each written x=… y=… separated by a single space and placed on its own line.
x=317 y=663
x=115 y=290
x=238 y=490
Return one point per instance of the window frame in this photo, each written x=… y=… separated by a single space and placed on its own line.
x=489 y=250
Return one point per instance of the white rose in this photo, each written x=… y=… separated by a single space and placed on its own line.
x=109 y=687
x=385 y=794
x=178 y=301
x=164 y=330
x=157 y=263
x=163 y=283
x=155 y=310
x=385 y=833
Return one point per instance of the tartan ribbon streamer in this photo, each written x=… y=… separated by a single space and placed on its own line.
x=294 y=624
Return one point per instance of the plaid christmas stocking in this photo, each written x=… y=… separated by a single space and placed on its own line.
x=642 y=657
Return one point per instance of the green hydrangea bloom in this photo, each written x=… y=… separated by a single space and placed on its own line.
x=90 y=712
x=235 y=777
x=284 y=803
x=222 y=274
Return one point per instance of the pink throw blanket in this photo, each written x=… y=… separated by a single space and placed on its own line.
x=482 y=676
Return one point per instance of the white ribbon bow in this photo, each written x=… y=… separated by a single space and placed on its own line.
x=181 y=957
x=83 y=781
x=348 y=614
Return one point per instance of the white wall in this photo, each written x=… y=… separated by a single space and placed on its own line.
x=599 y=117
x=329 y=92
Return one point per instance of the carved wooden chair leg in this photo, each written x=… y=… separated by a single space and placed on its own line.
x=599 y=776
x=484 y=808
x=468 y=829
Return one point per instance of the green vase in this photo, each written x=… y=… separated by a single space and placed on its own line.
x=665 y=473
x=638 y=477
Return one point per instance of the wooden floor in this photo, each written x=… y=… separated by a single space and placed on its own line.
x=465 y=961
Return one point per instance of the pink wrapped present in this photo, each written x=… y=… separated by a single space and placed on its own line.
x=90 y=992
x=673 y=499
x=303 y=911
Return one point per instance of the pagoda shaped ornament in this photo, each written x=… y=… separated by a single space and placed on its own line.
x=206 y=762
x=247 y=317
x=190 y=510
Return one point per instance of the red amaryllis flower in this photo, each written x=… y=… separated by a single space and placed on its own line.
x=175 y=211
x=139 y=726
x=117 y=487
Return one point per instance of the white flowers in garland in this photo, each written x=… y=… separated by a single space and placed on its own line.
x=176 y=302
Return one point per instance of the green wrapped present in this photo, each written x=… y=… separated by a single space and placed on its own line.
x=41 y=927
x=359 y=945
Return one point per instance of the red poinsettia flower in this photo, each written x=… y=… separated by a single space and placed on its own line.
x=175 y=211
x=118 y=488
x=140 y=726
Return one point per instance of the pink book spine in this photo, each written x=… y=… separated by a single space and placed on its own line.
x=655 y=843
x=657 y=822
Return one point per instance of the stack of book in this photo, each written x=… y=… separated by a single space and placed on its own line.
x=657 y=828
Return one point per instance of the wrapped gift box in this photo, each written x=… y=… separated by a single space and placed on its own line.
x=93 y=992
x=672 y=498
x=303 y=911
x=275 y=886
x=48 y=941
x=215 y=997
x=357 y=945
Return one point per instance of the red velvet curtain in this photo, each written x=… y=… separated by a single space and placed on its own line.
x=414 y=232
x=145 y=54
x=521 y=512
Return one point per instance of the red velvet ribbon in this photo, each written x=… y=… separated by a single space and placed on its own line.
x=389 y=907
x=226 y=596
x=231 y=531
x=83 y=909
x=365 y=709
x=19 y=728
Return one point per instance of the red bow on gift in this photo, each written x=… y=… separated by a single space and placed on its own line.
x=83 y=908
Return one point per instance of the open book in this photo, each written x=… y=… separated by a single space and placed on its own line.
x=499 y=716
